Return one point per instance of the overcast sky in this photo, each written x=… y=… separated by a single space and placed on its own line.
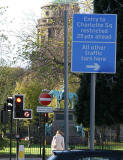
x=18 y=11
x=18 y=7
x=19 y=16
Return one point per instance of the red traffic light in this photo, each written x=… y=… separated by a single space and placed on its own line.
x=46 y=117
x=18 y=99
x=46 y=114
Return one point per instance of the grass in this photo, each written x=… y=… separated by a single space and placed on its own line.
x=35 y=148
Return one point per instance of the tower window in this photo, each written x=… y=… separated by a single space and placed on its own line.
x=47 y=13
x=44 y=20
x=49 y=33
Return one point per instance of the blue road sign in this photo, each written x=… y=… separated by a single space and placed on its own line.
x=94 y=43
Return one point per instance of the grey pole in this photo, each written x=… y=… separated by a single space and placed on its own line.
x=17 y=138
x=92 y=110
x=40 y=132
x=66 y=79
x=11 y=127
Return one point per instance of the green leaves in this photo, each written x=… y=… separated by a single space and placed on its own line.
x=109 y=88
x=8 y=78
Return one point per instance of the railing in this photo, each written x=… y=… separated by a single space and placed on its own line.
x=35 y=149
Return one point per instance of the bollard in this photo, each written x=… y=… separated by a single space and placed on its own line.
x=21 y=152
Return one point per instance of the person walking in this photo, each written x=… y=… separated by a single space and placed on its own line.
x=57 y=141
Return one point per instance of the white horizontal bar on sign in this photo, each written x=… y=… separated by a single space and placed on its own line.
x=44 y=109
x=45 y=99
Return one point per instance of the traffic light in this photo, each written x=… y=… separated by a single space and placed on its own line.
x=18 y=108
x=46 y=117
x=18 y=104
x=9 y=104
x=4 y=116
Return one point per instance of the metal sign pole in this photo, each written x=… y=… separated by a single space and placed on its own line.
x=92 y=110
x=11 y=131
x=66 y=78
x=17 y=139
x=40 y=132
x=43 y=156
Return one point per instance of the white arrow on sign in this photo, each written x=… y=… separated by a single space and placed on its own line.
x=96 y=66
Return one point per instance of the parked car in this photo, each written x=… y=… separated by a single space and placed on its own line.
x=86 y=155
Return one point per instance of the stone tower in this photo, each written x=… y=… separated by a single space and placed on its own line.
x=52 y=18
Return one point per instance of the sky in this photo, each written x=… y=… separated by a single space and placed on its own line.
x=19 y=7
x=19 y=10
x=19 y=15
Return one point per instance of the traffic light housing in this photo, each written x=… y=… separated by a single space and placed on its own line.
x=9 y=104
x=46 y=117
x=4 y=116
x=18 y=105
x=18 y=108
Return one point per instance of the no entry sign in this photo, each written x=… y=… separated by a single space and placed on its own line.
x=45 y=99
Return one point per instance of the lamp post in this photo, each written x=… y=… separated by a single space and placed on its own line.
x=66 y=78
x=66 y=126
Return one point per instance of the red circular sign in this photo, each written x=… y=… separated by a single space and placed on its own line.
x=27 y=114
x=45 y=99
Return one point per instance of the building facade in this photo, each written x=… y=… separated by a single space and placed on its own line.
x=52 y=19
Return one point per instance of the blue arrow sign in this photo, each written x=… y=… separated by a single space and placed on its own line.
x=94 y=43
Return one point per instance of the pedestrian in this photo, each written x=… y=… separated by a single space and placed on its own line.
x=57 y=141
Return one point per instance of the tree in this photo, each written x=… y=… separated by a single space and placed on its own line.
x=109 y=88
x=2 y=36
x=8 y=78
x=31 y=88
x=46 y=56
x=115 y=7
